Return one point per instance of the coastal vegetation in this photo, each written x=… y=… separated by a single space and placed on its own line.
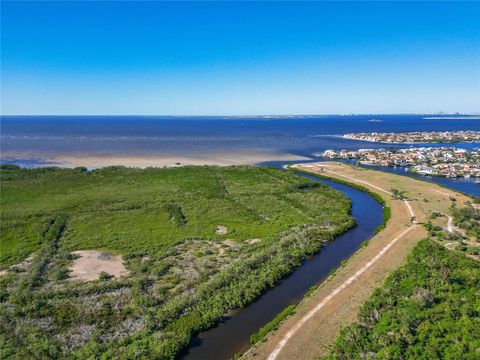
x=463 y=236
x=426 y=309
x=386 y=209
x=468 y=219
x=196 y=241
x=272 y=325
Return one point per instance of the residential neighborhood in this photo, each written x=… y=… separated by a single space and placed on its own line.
x=440 y=161
x=417 y=137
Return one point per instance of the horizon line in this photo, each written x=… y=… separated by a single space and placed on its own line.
x=255 y=115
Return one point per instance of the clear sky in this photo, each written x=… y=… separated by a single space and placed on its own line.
x=239 y=58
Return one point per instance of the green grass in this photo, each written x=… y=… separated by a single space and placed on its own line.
x=387 y=213
x=272 y=325
x=130 y=210
x=183 y=276
x=427 y=309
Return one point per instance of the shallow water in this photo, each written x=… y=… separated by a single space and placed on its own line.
x=28 y=140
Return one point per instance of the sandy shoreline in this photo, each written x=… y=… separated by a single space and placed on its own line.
x=95 y=161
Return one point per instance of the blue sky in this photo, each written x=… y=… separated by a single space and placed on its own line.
x=239 y=58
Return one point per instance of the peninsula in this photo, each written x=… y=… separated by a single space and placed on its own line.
x=417 y=137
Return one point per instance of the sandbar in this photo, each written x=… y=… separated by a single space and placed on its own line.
x=94 y=161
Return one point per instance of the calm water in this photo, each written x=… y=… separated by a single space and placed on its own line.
x=40 y=136
x=233 y=333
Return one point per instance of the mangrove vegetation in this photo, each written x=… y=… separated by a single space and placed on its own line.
x=196 y=242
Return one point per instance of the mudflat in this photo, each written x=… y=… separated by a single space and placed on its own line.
x=319 y=318
x=100 y=160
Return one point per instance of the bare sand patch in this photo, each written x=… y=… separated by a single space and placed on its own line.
x=21 y=266
x=231 y=243
x=91 y=263
x=221 y=230
x=253 y=241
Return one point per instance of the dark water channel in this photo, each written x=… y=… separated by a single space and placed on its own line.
x=233 y=332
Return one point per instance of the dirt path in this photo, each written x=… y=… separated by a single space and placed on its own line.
x=273 y=355
x=450 y=224
x=369 y=184
x=335 y=304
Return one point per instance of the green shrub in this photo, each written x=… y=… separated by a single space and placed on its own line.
x=272 y=325
x=428 y=306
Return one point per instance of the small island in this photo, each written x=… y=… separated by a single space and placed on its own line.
x=443 y=161
x=417 y=137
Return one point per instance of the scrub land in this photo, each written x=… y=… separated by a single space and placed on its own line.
x=130 y=263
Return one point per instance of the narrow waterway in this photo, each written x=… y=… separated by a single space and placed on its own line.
x=232 y=335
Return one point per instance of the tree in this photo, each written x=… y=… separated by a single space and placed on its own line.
x=398 y=194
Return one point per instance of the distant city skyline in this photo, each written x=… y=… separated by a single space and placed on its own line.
x=231 y=58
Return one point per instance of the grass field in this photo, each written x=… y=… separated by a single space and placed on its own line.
x=130 y=210
x=183 y=272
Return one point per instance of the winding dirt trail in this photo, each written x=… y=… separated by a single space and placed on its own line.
x=355 y=180
x=319 y=318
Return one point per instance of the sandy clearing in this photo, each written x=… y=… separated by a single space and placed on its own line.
x=231 y=243
x=452 y=228
x=325 y=313
x=90 y=263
